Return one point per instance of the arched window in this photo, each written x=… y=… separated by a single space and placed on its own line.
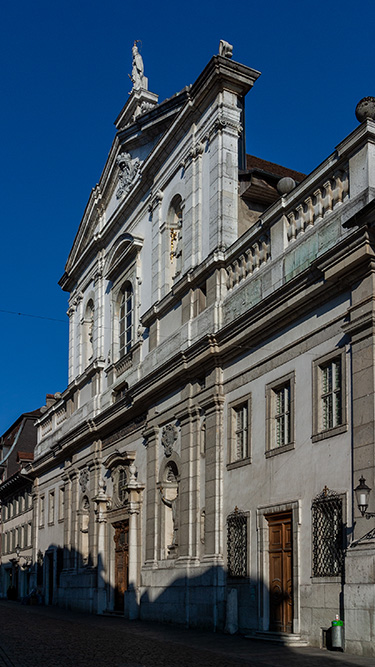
x=121 y=485
x=125 y=319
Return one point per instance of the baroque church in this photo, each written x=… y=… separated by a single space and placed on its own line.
x=200 y=466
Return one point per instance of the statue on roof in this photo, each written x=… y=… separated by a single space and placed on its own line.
x=137 y=75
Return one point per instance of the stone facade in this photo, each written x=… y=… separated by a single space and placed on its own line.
x=201 y=461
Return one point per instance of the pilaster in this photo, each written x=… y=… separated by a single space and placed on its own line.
x=214 y=407
x=152 y=436
x=189 y=533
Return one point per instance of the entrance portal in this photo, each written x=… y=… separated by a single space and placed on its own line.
x=281 y=572
x=121 y=539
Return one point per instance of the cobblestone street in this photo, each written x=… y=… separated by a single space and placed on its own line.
x=47 y=636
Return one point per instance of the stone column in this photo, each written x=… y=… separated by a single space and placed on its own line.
x=101 y=559
x=189 y=485
x=152 y=436
x=213 y=407
x=132 y=594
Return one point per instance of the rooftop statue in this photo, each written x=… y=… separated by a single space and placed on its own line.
x=137 y=75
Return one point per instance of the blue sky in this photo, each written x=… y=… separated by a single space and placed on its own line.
x=64 y=79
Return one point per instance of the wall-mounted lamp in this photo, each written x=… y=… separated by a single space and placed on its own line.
x=362 y=492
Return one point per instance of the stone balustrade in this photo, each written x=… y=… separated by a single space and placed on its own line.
x=250 y=260
x=61 y=415
x=313 y=208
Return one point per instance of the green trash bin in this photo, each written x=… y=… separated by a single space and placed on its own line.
x=337 y=634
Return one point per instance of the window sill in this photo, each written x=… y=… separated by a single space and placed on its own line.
x=279 y=450
x=326 y=580
x=329 y=433
x=239 y=463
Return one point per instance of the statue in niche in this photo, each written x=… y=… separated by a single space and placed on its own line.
x=169 y=497
x=137 y=76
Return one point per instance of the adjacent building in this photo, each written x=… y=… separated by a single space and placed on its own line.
x=16 y=529
x=199 y=467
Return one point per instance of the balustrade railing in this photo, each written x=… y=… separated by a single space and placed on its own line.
x=333 y=192
x=249 y=261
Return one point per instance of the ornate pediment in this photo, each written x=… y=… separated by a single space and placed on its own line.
x=122 y=252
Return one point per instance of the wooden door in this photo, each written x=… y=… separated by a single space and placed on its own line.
x=281 y=572
x=121 y=539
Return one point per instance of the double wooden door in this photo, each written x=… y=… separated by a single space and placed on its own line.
x=121 y=539
x=281 y=572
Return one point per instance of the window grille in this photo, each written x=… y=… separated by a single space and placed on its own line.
x=237 y=543
x=327 y=534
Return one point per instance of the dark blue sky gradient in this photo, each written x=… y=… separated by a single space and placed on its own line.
x=64 y=79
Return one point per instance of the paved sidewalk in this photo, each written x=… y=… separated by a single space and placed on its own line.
x=52 y=637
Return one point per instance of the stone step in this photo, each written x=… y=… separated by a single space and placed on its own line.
x=285 y=638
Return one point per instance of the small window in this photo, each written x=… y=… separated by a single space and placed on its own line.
x=329 y=409
x=125 y=319
x=237 y=544
x=239 y=431
x=41 y=511
x=61 y=502
x=327 y=534
x=51 y=507
x=280 y=415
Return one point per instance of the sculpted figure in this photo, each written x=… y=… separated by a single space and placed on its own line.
x=138 y=68
x=172 y=504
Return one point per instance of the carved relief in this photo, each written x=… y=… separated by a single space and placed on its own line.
x=129 y=169
x=168 y=438
x=84 y=477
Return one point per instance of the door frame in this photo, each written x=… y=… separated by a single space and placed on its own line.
x=294 y=507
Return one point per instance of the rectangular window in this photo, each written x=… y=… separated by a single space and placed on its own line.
x=280 y=415
x=51 y=507
x=239 y=428
x=329 y=400
x=30 y=534
x=237 y=544
x=61 y=503
x=41 y=511
x=327 y=534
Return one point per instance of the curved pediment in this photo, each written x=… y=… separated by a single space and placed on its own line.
x=122 y=252
x=118 y=458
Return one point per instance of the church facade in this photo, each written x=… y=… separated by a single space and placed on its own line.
x=199 y=467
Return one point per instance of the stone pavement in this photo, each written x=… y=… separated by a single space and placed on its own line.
x=52 y=637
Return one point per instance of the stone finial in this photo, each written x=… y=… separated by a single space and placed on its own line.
x=365 y=109
x=225 y=49
x=286 y=185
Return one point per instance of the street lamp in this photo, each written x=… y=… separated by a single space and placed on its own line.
x=362 y=492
